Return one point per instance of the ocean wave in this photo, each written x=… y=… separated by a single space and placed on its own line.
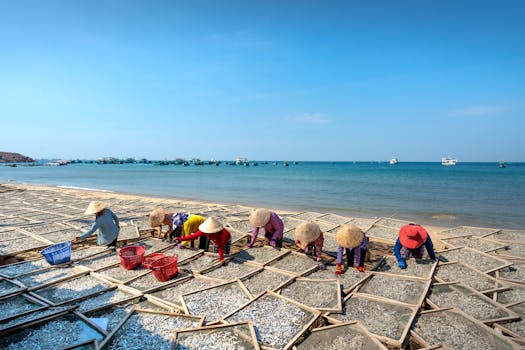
x=83 y=188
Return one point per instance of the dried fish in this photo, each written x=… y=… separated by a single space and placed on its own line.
x=232 y=270
x=172 y=294
x=339 y=337
x=148 y=281
x=82 y=253
x=30 y=317
x=72 y=289
x=149 y=331
x=386 y=233
x=517 y=327
x=348 y=280
x=404 y=290
x=214 y=339
x=44 y=228
x=460 y=273
x=334 y=218
x=330 y=246
x=317 y=294
x=100 y=300
x=296 y=263
x=308 y=216
x=509 y=235
x=514 y=250
x=457 y=332
x=381 y=318
x=11 y=234
x=17 y=305
x=515 y=295
x=276 y=320
x=7 y=287
x=61 y=236
x=363 y=223
x=477 y=243
x=261 y=255
x=64 y=331
x=243 y=226
x=460 y=297
x=20 y=244
x=119 y=273
x=47 y=276
x=182 y=254
x=114 y=315
x=415 y=267
x=265 y=280
x=468 y=231
x=216 y=301
x=201 y=263
x=392 y=223
x=100 y=261
x=471 y=257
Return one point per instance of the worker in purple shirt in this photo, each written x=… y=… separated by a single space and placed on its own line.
x=353 y=240
x=272 y=224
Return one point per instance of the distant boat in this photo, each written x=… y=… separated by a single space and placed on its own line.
x=448 y=161
x=241 y=160
x=286 y=164
x=295 y=162
x=393 y=161
x=502 y=164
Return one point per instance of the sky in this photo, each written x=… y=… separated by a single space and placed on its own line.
x=267 y=80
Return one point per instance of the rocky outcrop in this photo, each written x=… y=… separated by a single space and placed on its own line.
x=10 y=157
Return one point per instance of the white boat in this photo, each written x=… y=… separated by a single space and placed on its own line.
x=393 y=161
x=448 y=161
x=241 y=160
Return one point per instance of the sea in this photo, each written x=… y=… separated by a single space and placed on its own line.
x=474 y=194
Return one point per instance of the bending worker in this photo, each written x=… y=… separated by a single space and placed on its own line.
x=179 y=225
x=352 y=239
x=106 y=222
x=412 y=240
x=310 y=239
x=215 y=232
x=272 y=224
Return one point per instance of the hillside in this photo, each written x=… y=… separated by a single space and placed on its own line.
x=10 y=157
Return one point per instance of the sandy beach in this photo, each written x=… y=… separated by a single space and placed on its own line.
x=481 y=277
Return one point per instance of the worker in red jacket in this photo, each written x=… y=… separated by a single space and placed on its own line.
x=216 y=233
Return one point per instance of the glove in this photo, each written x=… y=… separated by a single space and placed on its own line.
x=402 y=264
x=250 y=245
x=339 y=269
x=273 y=243
x=360 y=268
x=180 y=246
x=321 y=265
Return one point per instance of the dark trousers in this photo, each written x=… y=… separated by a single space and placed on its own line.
x=350 y=257
x=204 y=243
x=113 y=244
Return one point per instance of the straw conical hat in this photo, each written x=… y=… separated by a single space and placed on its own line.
x=307 y=232
x=349 y=236
x=94 y=207
x=260 y=217
x=211 y=225
x=156 y=217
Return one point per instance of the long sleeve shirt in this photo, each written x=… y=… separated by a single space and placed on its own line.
x=318 y=244
x=108 y=228
x=191 y=225
x=428 y=245
x=219 y=238
x=357 y=252
x=275 y=226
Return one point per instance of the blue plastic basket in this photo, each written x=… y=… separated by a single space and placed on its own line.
x=59 y=253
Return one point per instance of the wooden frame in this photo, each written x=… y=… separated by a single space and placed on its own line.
x=133 y=295
x=42 y=306
x=266 y=262
x=237 y=282
x=504 y=285
x=45 y=243
x=511 y=315
x=111 y=335
x=379 y=238
x=100 y=273
x=315 y=315
x=300 y=273
x=494 y=235
x=506 y=331
x=419 y=301
x=419 y=339
x=449 y=245
x=76 y=273
x=346 y=290
x=390 y=341
x=19 y=288
x=336 y=285
x=504 y=263
x=390 y=260
x=197 y=256
x=249 y=324
x=355 y=324
x=488 y=231
x=107 y=253
x=508 y=256
x=256 y=267
x=290 y=279
x=511 y=287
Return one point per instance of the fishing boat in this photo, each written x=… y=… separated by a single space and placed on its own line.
x=502 y=164
x=393 y=161
x=448 y=161
x=241 y=160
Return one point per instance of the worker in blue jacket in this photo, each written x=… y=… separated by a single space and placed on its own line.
x=413 y=240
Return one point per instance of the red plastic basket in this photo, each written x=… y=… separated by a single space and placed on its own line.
x=149 y=259
x=165 y=268
x=131 y=256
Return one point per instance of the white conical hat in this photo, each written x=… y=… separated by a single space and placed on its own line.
x=349 y=236
x=94 y=207
x=260 y=217
x=156 y=217
x=211 y=225
x=307 y=232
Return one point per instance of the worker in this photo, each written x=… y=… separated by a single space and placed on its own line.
x=106 y=222
x=413 y=240
x=272 y=224
x=215 y=232
x=309 y=238
x=353 y=240
x=179 y=225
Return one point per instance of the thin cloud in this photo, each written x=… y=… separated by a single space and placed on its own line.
x=476 y=111
x=313 y=118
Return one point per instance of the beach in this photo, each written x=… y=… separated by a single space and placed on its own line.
x=484 y=282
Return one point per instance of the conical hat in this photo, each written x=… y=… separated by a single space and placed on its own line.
x=94 y=207
x=156 y=217
x=307 y=232
x=260 y=217
x=211 y=225
x=349 y=236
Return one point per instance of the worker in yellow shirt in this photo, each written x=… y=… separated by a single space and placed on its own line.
x=179 y=225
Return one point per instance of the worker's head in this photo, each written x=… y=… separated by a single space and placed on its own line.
x=156 y=217
x=211 y=225
x=259 y=217
x=412 y=236
x=349 y=236
x=95 y=207
x=306 y=233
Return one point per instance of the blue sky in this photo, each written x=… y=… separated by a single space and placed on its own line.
x=304 y=80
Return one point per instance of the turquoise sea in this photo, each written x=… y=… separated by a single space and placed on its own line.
x=479 y=194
